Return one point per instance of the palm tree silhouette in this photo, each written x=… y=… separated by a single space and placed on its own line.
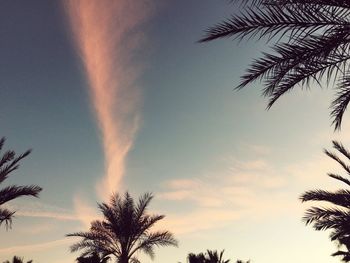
x=311 y=43
x=17 y=259
x=337 y=216
x=211 y=256
x=124 y=231
x=214 y=257
x=93 y=258
x=9 y=162
x=193 y=258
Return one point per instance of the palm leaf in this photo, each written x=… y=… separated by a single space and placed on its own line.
x=310 y=44
x=124 y=230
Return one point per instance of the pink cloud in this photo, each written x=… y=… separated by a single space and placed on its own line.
x=108 y=37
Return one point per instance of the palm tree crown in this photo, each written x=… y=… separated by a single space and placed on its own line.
x=337 y=216
x=17 y=259
x=212 y=256
x=8 y=163
x=93 y=258
x=311 y=43
x=124 y=230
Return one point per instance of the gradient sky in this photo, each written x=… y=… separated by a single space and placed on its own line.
x=225 y=172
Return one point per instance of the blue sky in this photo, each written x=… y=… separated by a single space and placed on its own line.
x=226 y=172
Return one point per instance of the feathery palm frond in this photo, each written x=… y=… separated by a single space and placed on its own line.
x=336 y=215
x=9 y=162
x=311 y=44
x=124 y=230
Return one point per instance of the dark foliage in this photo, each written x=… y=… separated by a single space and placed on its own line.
x=310 y=42
x=124 y=231
x=211 y=256
x=93 y=258
x=336 y=216
x=9 y=162
x=17 y=259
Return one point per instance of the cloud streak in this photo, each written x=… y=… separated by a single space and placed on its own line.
x=108 y=37
x=35 y=247
x=42 y=210
x=239 y=191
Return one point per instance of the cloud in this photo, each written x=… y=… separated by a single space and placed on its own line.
x=109 y=37
x=35 y=247
x=39 y=209
x=246 y=189
x=198 y=220
x=37 y=228
x=84 y=212
x=258 y=149
x=243 y=190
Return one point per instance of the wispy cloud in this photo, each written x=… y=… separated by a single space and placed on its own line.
x=37 y=228
x=85 y=213
x=109 y=39
x=39 y=209
x=34 y=247
x=244 y=189
x=258 y=149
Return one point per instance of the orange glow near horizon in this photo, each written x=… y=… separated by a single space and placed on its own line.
x=107 y=37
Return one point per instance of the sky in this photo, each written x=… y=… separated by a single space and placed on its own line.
x=119 y=97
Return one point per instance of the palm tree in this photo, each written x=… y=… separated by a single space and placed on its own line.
x=124 y=230
x=193 y=258
x=17 y=259
x=310 y=43
x=9 y=162
x=337 y=216
x=214 y=257
x=211 y=256
x=93 y=258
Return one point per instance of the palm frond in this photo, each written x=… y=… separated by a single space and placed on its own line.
x=13 y=164
x=335 y=218
x=340 y=103
x=298 y=3
x=344 y=254
x=340 y=148
x=338 y=160
x=318 y=213
x=311 y=44
x=143 y=202
x=277 y=20
x=124 y=230
x=340 y=197
x=11 y=192
x=158 y=238
x=6 y=217
x=290 y=55
x=340 y=178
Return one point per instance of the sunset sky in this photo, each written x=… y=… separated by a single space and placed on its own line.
x=119 y=96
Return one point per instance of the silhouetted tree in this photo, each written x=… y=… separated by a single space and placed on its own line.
x=9 y=162
x=310 y=43
x=193 y=258
x=93 y=258
x=124 y=230
x=17 y=259
x=337 y=216
x=211 y=256
x=214 y=257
